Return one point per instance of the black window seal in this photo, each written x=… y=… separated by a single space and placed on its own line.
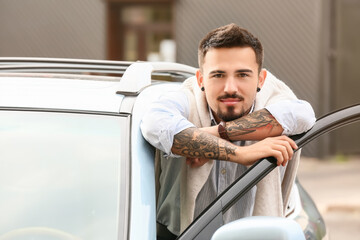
x=55 y=110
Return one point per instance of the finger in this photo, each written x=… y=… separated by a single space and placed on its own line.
x=281 y=149
x=198 y=162
x=292 y=144
x=192 y=162
x=274 y=151
x=286 y=151
x=289 y=146
x=195 y=162
x=203 y=161
x=279 y=157
x=290 y=141
x=289 y=150
x=283 y=152
x=288 y=154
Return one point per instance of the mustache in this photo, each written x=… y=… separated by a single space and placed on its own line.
x=235 y=95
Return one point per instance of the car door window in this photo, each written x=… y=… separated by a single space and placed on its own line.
x=60 y=174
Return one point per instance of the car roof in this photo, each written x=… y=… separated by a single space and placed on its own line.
x=75 y=84
x=59 y=93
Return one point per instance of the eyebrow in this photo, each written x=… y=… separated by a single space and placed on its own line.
x=237 y=71
x=243 y=70
x=216 y=71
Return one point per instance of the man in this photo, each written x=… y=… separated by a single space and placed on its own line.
x=231 y=100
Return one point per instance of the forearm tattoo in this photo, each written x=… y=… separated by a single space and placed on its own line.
x=258 y=120
x=194 y=143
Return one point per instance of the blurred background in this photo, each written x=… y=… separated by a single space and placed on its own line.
x=312 y=45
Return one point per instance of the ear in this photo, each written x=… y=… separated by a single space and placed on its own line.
x=199 y=78
x=262 y=77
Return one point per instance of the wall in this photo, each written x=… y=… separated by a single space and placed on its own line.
x=346 y=77
x=52 y=28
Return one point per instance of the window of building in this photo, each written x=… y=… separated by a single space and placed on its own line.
x=140 y=30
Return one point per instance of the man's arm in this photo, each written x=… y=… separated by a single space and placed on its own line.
x=197 y=144
x=286 y=117
x=255 y=126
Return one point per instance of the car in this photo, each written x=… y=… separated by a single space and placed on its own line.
x=74 y=164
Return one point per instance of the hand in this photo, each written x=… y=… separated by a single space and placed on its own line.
x=196 y=162
x=281 y=147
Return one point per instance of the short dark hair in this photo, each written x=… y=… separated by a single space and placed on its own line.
x=229 y=36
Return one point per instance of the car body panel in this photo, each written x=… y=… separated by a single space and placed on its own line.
x=143 y=207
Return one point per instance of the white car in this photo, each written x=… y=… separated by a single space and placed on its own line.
x=74 y=165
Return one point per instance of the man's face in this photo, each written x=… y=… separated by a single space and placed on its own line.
x=230 y=78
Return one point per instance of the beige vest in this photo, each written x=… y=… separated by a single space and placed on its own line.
x=272 y=195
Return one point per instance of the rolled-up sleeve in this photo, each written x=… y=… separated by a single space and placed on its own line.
x=295 y=116
x=165 y=118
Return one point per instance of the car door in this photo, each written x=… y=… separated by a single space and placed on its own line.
x=211 y=219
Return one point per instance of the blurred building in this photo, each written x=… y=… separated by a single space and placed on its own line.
x=314 y=46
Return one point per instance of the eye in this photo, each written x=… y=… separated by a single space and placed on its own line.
x=218 y=75
x=243 y=75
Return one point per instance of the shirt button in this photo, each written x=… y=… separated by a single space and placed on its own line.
x=223 y=171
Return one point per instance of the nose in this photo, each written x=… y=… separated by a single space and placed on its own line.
x=230 y=86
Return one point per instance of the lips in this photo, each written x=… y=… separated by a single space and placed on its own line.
x=230 y=101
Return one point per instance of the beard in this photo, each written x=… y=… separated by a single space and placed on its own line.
x=230 y=114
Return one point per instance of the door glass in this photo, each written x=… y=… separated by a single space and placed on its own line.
x=60 y=175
